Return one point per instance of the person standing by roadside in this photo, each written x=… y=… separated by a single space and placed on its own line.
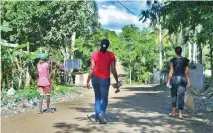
x=101 y=63
x=44 y=82
x=178 y=81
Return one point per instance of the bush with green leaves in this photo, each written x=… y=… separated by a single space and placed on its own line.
x=62 y=89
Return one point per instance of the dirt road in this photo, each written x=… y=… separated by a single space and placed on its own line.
x=134 y=110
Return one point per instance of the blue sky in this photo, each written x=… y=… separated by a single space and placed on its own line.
x=113 y=16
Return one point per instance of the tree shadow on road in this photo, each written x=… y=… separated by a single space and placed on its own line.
x=73 y=128
x=145 y=110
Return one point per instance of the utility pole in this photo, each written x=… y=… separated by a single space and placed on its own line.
x=183 y=46
x=130 y=76
x=160 y=50
x=194 y=52
x=190 y=50
x=73 y=44
x=72 y=54
x=161 y=60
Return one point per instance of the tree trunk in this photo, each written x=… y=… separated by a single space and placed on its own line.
x=19 y=80
x=28 y=78
x=176 y=39
x=211 y=58
x=200 y=54
x=138 y=77
x=7 y=81
x=211 y=85
x=20 y=72
x=209 y=91
x=0 y=71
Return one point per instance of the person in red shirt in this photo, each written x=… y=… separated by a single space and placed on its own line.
x=101 y=63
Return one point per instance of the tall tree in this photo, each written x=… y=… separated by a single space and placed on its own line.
x=139 y=52
x=192 y=17
x=48 y=23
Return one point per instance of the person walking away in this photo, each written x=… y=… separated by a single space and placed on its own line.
x=178 y=81
x=44 y=82
x=101 y=63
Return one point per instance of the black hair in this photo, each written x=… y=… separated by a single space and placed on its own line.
x=178 y=50
x=35 y=61
x=104 y=45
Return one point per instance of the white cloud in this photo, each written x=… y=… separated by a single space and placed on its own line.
x=114 y=18
x=117 y=31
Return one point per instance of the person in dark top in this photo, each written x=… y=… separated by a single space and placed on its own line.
x=178 y=81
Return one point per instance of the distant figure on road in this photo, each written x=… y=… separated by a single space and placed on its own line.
x=178 y=81
x=101 y=63
x=44 y=82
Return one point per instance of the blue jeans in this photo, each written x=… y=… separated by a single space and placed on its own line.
x=101 y=89
x=178 y=91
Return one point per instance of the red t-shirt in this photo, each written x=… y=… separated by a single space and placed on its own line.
x=102 y=63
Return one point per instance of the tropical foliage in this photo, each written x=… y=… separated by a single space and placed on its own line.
x=49 y=26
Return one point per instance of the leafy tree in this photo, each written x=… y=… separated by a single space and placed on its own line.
x=140 y=52
x=192 y=18
x=45 y=24
x=91 y=42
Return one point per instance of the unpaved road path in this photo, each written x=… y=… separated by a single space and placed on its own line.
x=137 y=109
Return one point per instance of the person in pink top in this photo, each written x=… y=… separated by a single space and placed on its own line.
x=43 y=81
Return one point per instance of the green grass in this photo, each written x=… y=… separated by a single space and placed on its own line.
x=62 y=89
x=31 y=93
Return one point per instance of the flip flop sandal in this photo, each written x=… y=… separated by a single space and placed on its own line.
x=90 y=118
x=50 y=111
x=102 y=120
x=40 y=112
x=117 y=91
x=172 y=114
x=181 y=118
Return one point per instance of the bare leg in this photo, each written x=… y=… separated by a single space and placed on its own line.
x=173 y=110
x=48 y=105
x=40 y=104
x=48 y=101
x=180 y=114
x=172 y=114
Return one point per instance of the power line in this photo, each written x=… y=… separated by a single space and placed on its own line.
x=126 y=7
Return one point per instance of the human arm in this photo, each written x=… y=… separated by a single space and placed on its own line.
x=49 y=76
x=171 y=71
x=37 y=76
x=187 y=76
x=92 y=67
x=114 y=71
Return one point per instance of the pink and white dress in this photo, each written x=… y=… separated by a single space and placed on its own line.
x=43 y=81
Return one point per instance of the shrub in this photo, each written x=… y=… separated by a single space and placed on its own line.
x=62 y=89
